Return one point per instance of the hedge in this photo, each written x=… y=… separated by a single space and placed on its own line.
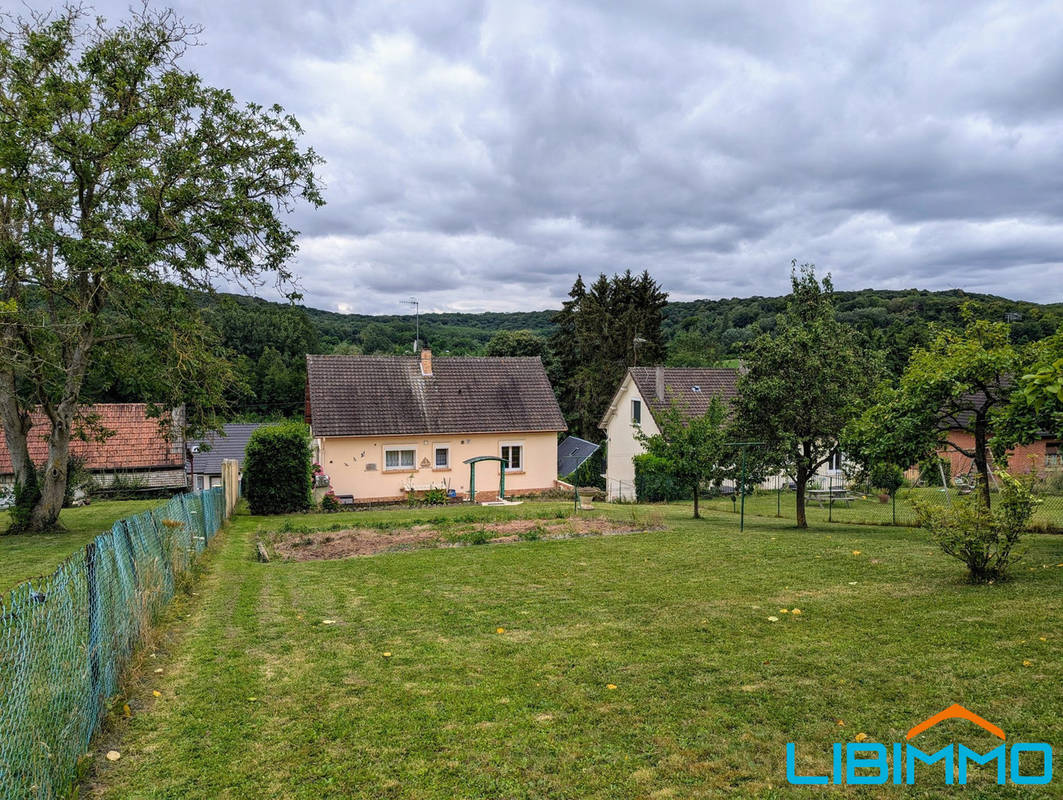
x=654 y=483
x=278 y=469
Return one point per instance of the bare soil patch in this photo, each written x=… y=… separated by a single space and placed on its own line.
x=325 y=545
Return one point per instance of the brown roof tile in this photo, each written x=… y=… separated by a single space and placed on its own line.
x=387 y=395
x=679 y=383
x=136 y=442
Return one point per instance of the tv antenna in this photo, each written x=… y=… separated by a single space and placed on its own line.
x=417 y=321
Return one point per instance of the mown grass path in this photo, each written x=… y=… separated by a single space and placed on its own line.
x=266 y=699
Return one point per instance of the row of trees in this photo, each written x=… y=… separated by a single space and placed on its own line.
x=812 y=386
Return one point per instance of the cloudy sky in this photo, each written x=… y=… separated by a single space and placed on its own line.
x=481 y=154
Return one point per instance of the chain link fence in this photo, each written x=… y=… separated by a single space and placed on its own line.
x=833 y=499
x=65 y=639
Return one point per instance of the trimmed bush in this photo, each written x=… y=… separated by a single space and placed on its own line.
x=654 y=483
x=278 y=469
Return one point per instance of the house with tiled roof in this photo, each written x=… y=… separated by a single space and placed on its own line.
x=386 y=426
x=643 y=393
x=205 y=455
x=115 y=439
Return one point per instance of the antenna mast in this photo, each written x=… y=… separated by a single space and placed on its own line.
x=417 y=321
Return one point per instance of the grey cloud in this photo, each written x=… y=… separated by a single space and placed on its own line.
x=480 y=153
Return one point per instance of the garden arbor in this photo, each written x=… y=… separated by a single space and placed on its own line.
x=472 y=462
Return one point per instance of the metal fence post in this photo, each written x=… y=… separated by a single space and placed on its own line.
x=894 y=508
x=93 y=597
x=830 y=499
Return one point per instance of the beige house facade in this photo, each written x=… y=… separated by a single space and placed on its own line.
x=643 y=392
x=385 y=427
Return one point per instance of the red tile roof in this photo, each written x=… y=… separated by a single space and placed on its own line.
x=136 y=441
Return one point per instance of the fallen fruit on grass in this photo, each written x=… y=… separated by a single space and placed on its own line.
x=157 y=693
x=861 y=737
x=113 y=755
x=773 y=619
x=500 y=630
x=328 y=622
x=610 y=686
x=386 y=654
x=856 y=552
x=158 y=671
x=796 y=611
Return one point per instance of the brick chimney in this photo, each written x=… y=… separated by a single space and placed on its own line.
x=426 y=362
x=660 y=384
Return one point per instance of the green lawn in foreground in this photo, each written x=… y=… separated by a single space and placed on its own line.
x=29 y=555
x=261 y=698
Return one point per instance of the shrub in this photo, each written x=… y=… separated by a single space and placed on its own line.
x=654 y=482
x=982 y=538
x=435 y=497
x=329 y=503
x=887 y=477
x=279 y=469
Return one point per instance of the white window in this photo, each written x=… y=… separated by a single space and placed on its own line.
x=636 y=412
x=400 y=458
x=1053 y=457
x=442 y=457
x=835 y=463
x=513 y=456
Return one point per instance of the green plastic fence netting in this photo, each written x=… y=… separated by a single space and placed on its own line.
x=65 y=639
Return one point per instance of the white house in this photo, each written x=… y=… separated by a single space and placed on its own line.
x=643 y=392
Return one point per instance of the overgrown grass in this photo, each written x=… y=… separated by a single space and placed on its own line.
x=486 y=671
x=29 y=555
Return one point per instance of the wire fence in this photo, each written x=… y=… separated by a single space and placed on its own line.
x=832 y=499
x=65 y=639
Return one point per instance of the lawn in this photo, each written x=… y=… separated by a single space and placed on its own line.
x=29 y=555
x=636 y=665
x=868 y=509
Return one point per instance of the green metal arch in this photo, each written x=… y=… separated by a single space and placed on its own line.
x=472 y=462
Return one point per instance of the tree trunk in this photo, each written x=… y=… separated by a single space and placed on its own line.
x=981 y=457
x=697 y=513
x=16 y=423
x=45 y=513
x=801 y=480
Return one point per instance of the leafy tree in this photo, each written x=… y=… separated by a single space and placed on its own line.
x=803 y=384
x=375 y=339
x=691 y=349
x=888 y=477
x=122 y=176
x=1040 y=396
x=960 y=382
x=693 y=449
x=518 y=343
x=601 y=331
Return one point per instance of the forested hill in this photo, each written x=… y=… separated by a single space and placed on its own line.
x=267 y=342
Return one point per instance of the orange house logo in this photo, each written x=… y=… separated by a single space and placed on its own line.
x=871 y=763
